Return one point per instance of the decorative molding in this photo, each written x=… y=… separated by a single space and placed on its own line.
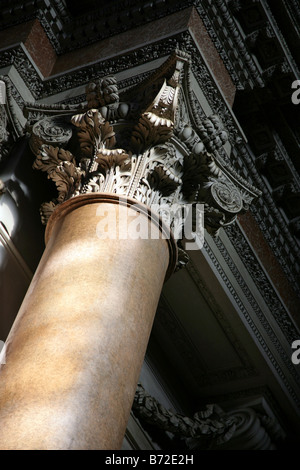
x=216 y=15
x=56 y=18
x=270 y=220
x=265 y=287
x=242 y=160
x=276 y=32
x=59 y=26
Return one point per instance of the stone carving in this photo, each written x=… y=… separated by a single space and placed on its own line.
x=208 y=428
x=50 y=131
x=251 y=431
x=102 y=92
x=262 y=282
x=156 y=123
x=60 y=166
x=266 y=208
x=242 y=75
x=211 y=428
x=226 y=196
x=142 y=148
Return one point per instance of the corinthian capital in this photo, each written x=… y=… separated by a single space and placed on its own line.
x=141 y=143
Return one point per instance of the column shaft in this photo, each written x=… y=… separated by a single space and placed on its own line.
x=75 y=351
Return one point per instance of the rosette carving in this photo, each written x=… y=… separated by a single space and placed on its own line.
x=226 y=196
x=50 y=131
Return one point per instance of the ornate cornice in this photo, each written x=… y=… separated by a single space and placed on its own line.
x=212 y=14
x=67 y=32
x=270 y=220
x=260 y=279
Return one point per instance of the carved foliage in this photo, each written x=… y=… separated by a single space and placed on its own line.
x=110 y=158
x=73 y=175
x=209 y=427
x=151 y=129
x=93 y=132
x=156 y=123
x=61 y=168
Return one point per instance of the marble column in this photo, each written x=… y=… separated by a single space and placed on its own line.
x=74 y=354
